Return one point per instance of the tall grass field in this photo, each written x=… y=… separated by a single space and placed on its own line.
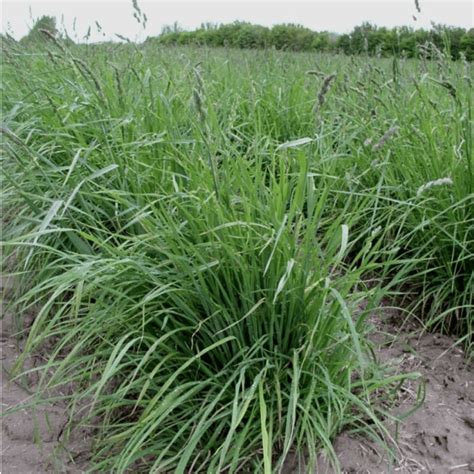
x=203 y=234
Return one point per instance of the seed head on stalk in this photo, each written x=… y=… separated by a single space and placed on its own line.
x=437 y=182
x=385 y=138
x=85 y=70
x=199 y=105
x=325 y=88
x=198 y=94
x=53 y=38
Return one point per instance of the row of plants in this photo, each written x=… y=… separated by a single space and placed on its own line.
x=365 y=39
x=203 y=235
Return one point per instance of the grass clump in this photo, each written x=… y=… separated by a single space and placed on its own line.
x=222 y=333
x=197 y=245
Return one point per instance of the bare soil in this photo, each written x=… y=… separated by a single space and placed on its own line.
x=437 y=438
x=32 y=435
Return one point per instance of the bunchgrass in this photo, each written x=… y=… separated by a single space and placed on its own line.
x=195 y=229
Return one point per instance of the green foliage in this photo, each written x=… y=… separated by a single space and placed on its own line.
x=203 y=234
x=364 y=39
x=35 y=36
x=467 y=44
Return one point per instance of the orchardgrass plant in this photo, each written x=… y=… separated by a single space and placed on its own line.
x=202 y=235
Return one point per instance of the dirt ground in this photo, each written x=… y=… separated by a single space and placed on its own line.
x=438 y=438
x=31 y=439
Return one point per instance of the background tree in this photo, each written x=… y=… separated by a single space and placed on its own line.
x=35 y=36
x=467 y=44
x=363 y=39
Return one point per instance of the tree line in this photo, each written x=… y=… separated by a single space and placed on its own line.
x=363 y=39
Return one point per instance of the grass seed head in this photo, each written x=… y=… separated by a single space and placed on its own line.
x=385 y=138
x=325 y=88
x=437 y=182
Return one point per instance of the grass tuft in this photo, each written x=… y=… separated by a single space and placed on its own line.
x=199 y=255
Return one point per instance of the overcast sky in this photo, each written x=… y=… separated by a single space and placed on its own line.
x=116 y=16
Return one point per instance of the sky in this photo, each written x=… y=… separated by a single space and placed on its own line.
x=116 y=16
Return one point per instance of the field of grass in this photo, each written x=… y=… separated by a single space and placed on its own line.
x=204 y=233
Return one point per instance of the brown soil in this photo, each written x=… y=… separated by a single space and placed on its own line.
x=32 y=435
x=438 y=438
